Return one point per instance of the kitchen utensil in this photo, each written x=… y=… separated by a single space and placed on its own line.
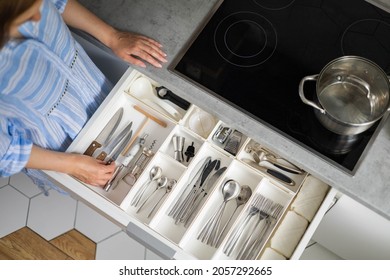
x=208 y=234
x=150 y=116
x=189 y=206
x=154 y=174
x=104 y=136
x=138 y=166
x=262 y=214
x=164 y=93
x=236 y=234
x=262 y=156
x=161 y=183
x=195 y=173
x=142 y=89
x=178 y=146
x=352 y=93
x=233 y=142
x=274 y=173
x=190 y=152
x=201 y=195
x=201 y=123
x=254 y=247
x=241 y=199
x=169 y=186
x=115 y=146
x=128 y=157
x=222 y=134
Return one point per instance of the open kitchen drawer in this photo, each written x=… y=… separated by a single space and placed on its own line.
x=175 y=214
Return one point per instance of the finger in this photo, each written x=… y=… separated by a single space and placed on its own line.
x=142 y=54
x=128 y=57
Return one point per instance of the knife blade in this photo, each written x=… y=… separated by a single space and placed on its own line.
x=113 y=144
x=208 y=184
x=128 y=157
x=104 y=135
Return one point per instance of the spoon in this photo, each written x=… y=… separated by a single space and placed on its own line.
x=154 y=174
x=169 y=187
x=161 y=183
x=241 y=199
x=230 y=190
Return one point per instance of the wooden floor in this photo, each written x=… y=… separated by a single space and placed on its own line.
x=25 y=244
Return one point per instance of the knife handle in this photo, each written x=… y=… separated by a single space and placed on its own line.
x=280 y=177
x=102 y=156
x=92 y=147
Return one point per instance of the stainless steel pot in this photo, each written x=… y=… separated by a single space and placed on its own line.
x=352 y=93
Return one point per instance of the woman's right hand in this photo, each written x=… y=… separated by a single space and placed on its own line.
x=85 y=168
x=91 y=171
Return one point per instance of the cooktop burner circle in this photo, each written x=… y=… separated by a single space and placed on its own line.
x=368 y=38
x=274 y=5
x=245 y=39
x=252 y=50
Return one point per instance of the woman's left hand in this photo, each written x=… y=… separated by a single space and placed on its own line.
x=136 y=49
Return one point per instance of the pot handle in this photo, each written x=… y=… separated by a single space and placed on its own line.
x=302 y=94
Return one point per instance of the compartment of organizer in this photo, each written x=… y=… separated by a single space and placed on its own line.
x=256 y=222
x=182 y=145
x=144 y=123
x=154 y=186
x=225 y=204
x=227 y=138
x=157 y=97
x=199 y=121
x=299 y=221
x=191 y=193
x=279 y=170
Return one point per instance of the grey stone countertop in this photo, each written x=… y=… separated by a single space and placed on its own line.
x=173 y=23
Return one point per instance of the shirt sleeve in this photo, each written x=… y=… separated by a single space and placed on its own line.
x=60 y=4
x=15 y=148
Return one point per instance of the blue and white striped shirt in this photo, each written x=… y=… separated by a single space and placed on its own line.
x=49 y=88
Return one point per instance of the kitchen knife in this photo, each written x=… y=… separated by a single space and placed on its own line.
x=274 y=173
x=104 y=135
x=208 y=184
x=112 y=146
x=128 y=157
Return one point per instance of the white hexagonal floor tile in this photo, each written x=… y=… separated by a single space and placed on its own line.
x=13 y=210
x=93 y=225
x=24 y=184
x=4 y=181
x=53 y=215
x=120 y=247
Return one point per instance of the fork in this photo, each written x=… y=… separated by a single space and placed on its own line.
x=263 y=214
x=256 y=244
x=233 y=239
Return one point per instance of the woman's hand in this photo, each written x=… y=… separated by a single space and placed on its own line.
x=131 y=47
x=136 y=49
x=85 y=168
x=91 y=171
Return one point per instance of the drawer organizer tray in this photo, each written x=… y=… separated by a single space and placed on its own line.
x=204 y=191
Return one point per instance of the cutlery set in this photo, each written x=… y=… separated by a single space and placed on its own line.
x=250 y=234
x=201 y=182
x=131 y=157
x=145 y=194
x=260 y=156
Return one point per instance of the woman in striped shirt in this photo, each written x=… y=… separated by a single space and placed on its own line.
x=49 y=87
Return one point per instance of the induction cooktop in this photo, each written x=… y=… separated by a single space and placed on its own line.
x=253 y=54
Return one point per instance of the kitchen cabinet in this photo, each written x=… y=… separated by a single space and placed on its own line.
x=179 y=238
x=354 y=232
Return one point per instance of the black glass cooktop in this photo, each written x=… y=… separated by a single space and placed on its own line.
x=253 y=54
